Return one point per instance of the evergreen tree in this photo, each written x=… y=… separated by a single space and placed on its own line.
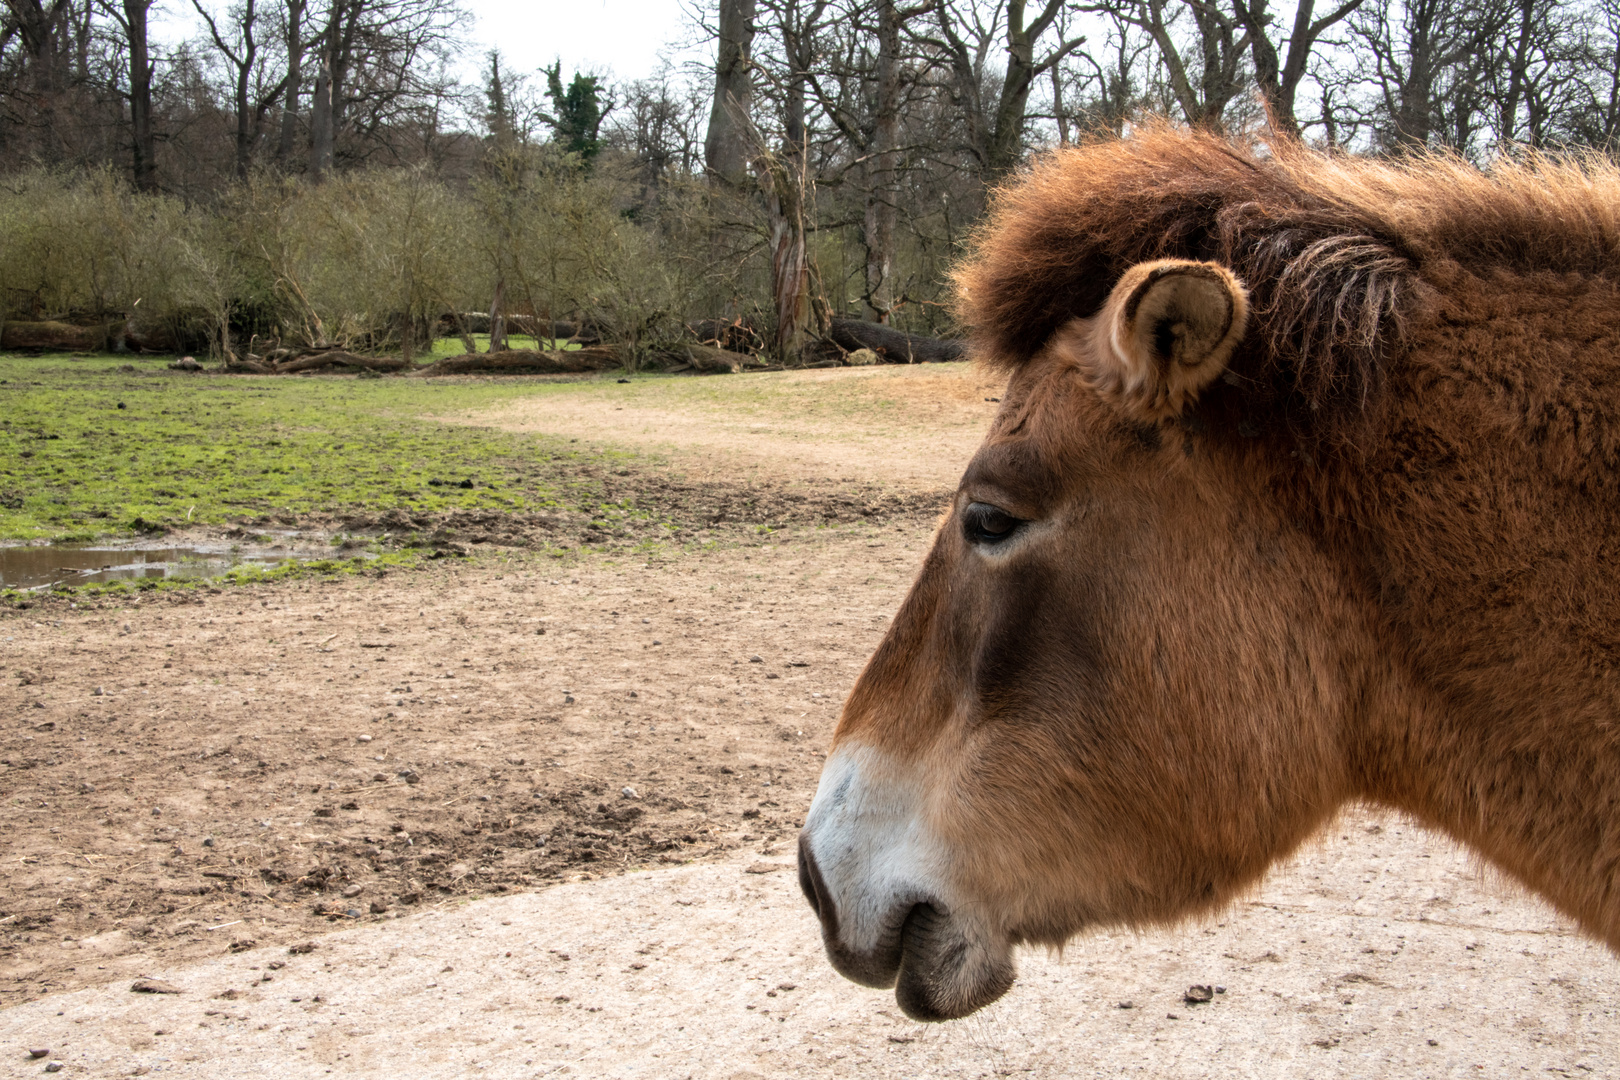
x=576 y=112
x=498 y=109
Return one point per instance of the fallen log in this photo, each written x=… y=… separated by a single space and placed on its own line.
x=58 y=335
x=526 y=362
x=894 y=346
x=339 y=358
x=473 y=322
x=707 y=359
x=247 y=366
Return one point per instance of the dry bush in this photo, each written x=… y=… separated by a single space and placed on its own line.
x=86 y=248
x=368 y=261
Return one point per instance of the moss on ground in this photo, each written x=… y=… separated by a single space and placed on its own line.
x=97 y=447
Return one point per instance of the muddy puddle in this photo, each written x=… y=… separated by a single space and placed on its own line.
x=75 y=564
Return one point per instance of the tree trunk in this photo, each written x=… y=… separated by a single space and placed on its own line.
x=295 y=74
x=57 y=335
x=497 y=318
x=1007 y=137
x=782 y=180
x=244 y=120
x=785 y=181
x=882 y=158
x=725 y=149
x=140 y=95
x=321 y=119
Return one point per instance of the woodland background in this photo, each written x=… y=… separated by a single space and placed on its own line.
x=315 y=174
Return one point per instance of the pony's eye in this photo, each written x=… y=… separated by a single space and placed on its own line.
x=986 y=524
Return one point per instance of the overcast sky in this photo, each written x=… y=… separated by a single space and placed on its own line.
x=624 y=38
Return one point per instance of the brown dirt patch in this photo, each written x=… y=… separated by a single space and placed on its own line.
x=134 y=734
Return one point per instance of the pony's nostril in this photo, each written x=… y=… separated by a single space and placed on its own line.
x=806 y=882
x=815 y=889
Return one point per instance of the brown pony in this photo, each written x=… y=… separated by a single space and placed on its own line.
x=1305 y=489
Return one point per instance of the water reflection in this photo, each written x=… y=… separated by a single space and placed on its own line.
x=40 y=567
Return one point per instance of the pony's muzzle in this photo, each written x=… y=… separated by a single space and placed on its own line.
x=877 y=968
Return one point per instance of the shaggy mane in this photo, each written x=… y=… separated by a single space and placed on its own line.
x=1340 y=254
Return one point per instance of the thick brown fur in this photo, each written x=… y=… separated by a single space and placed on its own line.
x=1204 y=640
x=1338 y=252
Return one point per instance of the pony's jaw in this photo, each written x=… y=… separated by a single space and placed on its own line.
x=877 y=874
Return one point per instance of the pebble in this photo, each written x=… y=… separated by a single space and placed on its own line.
x=352 y=891
x=1198 y=994
x=364 y=738
x=53 y=1066
x=756 y=659
x=153 y=986
x=629 y=792
x=39 y=1053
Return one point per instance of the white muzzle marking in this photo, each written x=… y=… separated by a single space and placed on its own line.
x=868 y=832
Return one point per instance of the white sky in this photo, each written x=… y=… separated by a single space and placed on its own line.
x=623 y=38
x=626 y=38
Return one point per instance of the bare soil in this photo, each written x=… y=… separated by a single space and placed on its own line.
x=270 y=760
x=907 y=428
x=622 y=740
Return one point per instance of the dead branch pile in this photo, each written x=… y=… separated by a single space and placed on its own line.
x=894 y=346
x=526 y=362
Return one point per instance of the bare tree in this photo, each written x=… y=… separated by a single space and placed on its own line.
x=785 y=181
x=1105 y=82
x=725 y=150
x=255 y=90
x=131 y=19
x=292 y=29
x=377 y=62
x=37 y=54
x=966 y=36
x=1279 y=75
x=659 y=124
x=1595 y=116
x=1541 y=70
x=1423 y=60
x=1205 y=71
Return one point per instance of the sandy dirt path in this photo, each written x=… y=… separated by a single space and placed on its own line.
x=1376 y=954
x=912 y=427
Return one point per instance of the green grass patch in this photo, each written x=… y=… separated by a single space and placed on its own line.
x=453 y=346
x=88 y=449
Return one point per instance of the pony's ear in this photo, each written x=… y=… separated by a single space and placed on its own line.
x=1164 y=333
